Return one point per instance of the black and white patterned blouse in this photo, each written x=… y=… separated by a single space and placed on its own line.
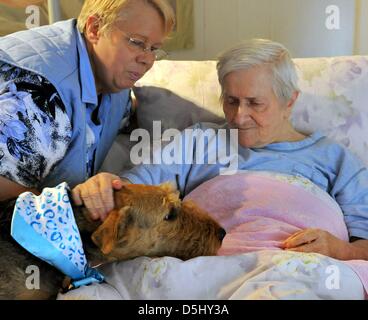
x=35 y=129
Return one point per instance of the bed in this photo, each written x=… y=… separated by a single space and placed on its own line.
x=251 y=263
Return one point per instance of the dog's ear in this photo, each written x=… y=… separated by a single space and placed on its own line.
x=168 y=186
x=106 y=235
x=120 y=196
x=172 y=193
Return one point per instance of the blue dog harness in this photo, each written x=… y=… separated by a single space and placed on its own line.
x=45 y=226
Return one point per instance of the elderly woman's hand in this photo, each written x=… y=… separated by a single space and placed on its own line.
x=97 y=194
x=319 y=241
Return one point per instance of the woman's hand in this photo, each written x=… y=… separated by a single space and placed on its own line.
x=97 y=194
x=320 y=241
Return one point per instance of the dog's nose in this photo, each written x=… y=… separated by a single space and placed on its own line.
x=221 y=234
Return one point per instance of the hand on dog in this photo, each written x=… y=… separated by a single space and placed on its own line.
x=318 y=241
x=96 y=194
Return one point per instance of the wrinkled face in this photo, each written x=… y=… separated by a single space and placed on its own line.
x=151 y=221
x=118 y=64
x=251 y=106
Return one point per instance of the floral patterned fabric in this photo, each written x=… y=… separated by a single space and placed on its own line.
x=35 y=130
x=261 y=275
x=250 y=264
x=333 y=98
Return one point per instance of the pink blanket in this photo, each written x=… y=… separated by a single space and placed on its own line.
x=259 y=210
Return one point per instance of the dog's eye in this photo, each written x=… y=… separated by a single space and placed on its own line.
x=171 y=215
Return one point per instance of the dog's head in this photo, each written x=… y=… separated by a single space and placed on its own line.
x=152 y=221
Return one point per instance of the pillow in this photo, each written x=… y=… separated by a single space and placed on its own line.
x=118 y=158
x=334 y=99
x=160 y=104
x=179 y=93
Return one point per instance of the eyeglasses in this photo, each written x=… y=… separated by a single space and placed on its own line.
x=140 y=46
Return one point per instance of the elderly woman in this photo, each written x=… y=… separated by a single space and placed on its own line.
x=64 y=90
x=259 y=89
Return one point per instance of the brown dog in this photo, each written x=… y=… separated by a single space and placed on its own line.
x=146 y=221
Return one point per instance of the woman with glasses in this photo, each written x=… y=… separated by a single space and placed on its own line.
x=65 y=90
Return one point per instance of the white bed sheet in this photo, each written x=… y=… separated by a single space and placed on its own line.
x=262 y=275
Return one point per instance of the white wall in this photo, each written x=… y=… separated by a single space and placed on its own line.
x=361 y=28
x=298 y=24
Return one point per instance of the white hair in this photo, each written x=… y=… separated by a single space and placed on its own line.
x=259 y=52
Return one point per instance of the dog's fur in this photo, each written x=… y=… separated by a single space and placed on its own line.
x=146 y=221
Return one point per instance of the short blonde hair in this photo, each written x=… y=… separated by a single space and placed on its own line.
x=110 y=11
x=258 y=52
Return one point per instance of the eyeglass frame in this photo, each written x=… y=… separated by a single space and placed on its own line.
x=139 y=44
